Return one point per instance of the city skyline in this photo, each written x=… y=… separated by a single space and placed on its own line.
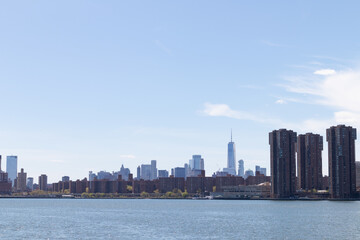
x=123 y=83
x=305 y=149
x=149 y=171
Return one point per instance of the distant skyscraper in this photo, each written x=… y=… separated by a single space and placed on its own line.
x=124 y=172
x=163 y=173
x=282 y=162
x=65 y=179
x=91 y=175
x=231 y=167
x=309 y=161
x=341 y=147
x=153 y=170
x=179 y=172
x=241 y=168
x=187 y=170
x=30 y=183
x=357 y=166
x=11 y=167
x=21 y=181
x=260 y=170
x=138 y=173
x=248 y=173
x=196 y=163
x=43 y=182
x=104 y=175
x=145 y=172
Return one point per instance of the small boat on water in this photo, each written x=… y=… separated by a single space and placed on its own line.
x=203 y=198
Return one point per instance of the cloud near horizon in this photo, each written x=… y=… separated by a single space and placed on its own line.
x=337 y=90
x=223 y=110
x=326 y=87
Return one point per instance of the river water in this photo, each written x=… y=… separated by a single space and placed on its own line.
x=177 y=219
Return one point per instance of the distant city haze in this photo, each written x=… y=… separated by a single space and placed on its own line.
x=92 y=86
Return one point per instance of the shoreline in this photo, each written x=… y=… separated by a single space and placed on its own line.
x=189 y=198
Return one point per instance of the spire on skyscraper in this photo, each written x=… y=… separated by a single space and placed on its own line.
x=231 y=165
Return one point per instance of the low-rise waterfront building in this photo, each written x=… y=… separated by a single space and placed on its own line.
x=171 y=183
x=244 y=192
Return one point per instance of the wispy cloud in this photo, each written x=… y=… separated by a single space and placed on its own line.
x=333 y=59
x=280 y=101
x=339 y=90
x=325 y=72
x=336 y=89
x=224 y=110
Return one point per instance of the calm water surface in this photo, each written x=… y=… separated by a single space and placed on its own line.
x=177 y=219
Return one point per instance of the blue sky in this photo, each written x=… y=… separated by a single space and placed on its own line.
x=91 y=85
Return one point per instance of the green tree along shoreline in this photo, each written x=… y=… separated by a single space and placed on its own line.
x=175 y=194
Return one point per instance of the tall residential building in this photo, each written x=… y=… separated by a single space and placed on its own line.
x=282 y=161
x=11 y=167
x=309 y=161
x=3 y=175
x=21 y=181
x=241 y=171
x=357 y=166
x=30 y=183
x=43 y=182
x=163 y=173
x=153 y=170
x=341 y=146
x=231 y=165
